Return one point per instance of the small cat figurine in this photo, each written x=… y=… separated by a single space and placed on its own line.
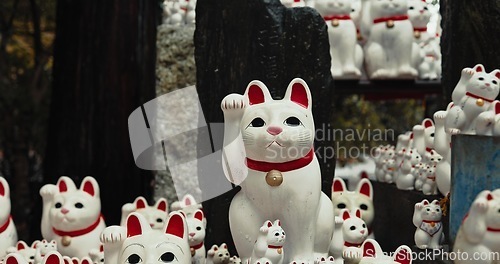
x=430 y=65
x=429 y=186
x=172 y=13
x=97 y=255
x=24 y=250
x=278 y=137
x=427 y=219
x=270 y=242
x=137 y=242
x=218 y=254
x=389 y=45
x=345 y=52
x=479 y=232
x=361 y=198
x=383 y=154
x=373 y=254
x=8 y=233
x=234 y=260
x=419 y=15
x=43 y=248
x=406 y=179
x=354 y=233
x=481 y=89
x=71 y=216
x=187 y=204
x=156 y=215
x=442 y=145
x=423 y=136
x=14 y=258
x=196 y=232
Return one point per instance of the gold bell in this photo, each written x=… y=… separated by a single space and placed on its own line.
x=359 y=37
x=274 y=178
x=193 y=251
x=280 y=250
x=389 y=23
x=335 y=22
x=416 y=34
x=479 y=102
x=66 y=240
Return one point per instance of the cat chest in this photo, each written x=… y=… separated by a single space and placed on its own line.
x=492 y=240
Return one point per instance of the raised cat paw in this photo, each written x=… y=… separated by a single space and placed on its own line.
x=128 y=207
x=418 y=129
x=440 y=117
x=48 y=191
x=419 y=206
x=480 y=206
x=233 y=102
x=338 y=220
x=468 y=72
x=113 y=234
x=454 y=131
x=352 y=255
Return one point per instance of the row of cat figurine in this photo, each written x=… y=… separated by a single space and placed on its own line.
x=421 y=158
x=179 y=12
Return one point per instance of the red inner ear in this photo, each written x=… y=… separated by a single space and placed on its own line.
x=133 y=226
x=66 y=261
x=162 y=206
x=198 y=215
x=346 y=215
x=75 y=261
x=187 y=201
x=337 y=186
x=279 y=223
x=11 y=260
x=369 y=250
x=403 y=257
x=88 y=188
x=489 y=197
x=255 y=95
x=101 y=248
x=426 y=202
x=140 y=204
x=85 y=261
x=358 y=213
x=497 y=74
x=20 y=246
x=497 y=108
x=365 y=189
x=478 y=68
x=52 y=259
x=62 y=186
x=299 y=95
x=2 y=189
x=364 y=175
x=269 y=224
x=175 y=226
x=411 y=135
x=428 y=123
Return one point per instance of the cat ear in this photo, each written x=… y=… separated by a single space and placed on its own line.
x=345 y=214
x=67 y=260
x=90 y=186
x=14 y=258
x=435 y=202
x=489 y=197
x=74 y=260
x=479 y=68
x=369 y=249
x=188 y=200
x=257 y=93
x=223 y=245
x=299 y=93
x=269 y=224
x=53 y=257
x=65 y=184
x=162 y=204
x=427 y=123
x=140 y=202
x=86 y=260
x=21 y=245
x=425 y=202
x=176 y=225
x=338 y=185
x=496 y=73
x=496 y=107
x=363 y=175
x=365 y=187
x=358 y=213
x=198 y=215
x=330 y=258
x=4 y=187
x=277 y=222
x=403 y=255
x=35 y=243
x=136 y=224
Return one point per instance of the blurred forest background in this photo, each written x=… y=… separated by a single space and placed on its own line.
x=27 y=34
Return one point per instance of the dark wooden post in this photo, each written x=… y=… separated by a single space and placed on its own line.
x=239 y=41
x=104 y=68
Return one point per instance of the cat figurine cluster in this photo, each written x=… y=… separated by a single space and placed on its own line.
x=72 y=216
x=43 y=248
x=427 y=219
x=53 y=257
x=270 y=242
x=26 y=251
x=156 y=215
x=196 y=236
x=480 y=229
x=372 y=254
x=179 y=12
x=275 y=184
x=346 y=53
x=8 y=232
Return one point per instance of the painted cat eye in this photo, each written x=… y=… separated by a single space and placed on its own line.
x=257 y=122
x=292 y=121
x=167 y=257
x=341 y=205
x=352 y=228
x=134 y=258
x=79 y=205
x=363 y=207
x=58 y=205
x=159 y=220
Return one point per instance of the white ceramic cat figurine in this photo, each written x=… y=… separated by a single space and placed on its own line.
x=172 y=13
x=14 y=258
x=479 y=232
x=234 y=260
x=389 y=45
x=344 y=49
x=278 y=139
x=419 y=15
x=43 y=248
x=485 y=122
x=430 y=65
x=423 y=136
x=427 y=218
x=373 y=254
x=8 y=233
x=270 y=242
x=406 y=178
x=71 y=216
x=382 y=153
x=27 y=252
x=190 y=17
x=187 y=204
x=196 y=232
x=442 y=145
x=218 y=254
x=97 y=255
x=430 y=186
x=481 y=89
x=390 y=168
x=156 y=215
x=137 y=242
x=354 y=233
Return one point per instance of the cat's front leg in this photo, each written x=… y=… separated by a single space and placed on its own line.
x=112 y=238
x=47 y=192
x=474 y=225
x=459 y=91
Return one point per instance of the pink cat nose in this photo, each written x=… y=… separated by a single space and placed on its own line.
x=274 y=130
x=191 y=234
x=362 y=231
x=64 y=211
x=421 y=11
x=487 y=84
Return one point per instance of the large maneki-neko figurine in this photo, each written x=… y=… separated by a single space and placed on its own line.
x=283 y=178
x=72 y=216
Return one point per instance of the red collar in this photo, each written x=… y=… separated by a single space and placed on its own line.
x=277 y=247
x=478 y=97
x=491 y=229
x=393 y=18
x=79 y=232
x=428 y=221
x=4 y=226
x=283 y=167
x=422 y=29
x=197 y=246
x=347 y=244
x=338 y=17
x=433 y=178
